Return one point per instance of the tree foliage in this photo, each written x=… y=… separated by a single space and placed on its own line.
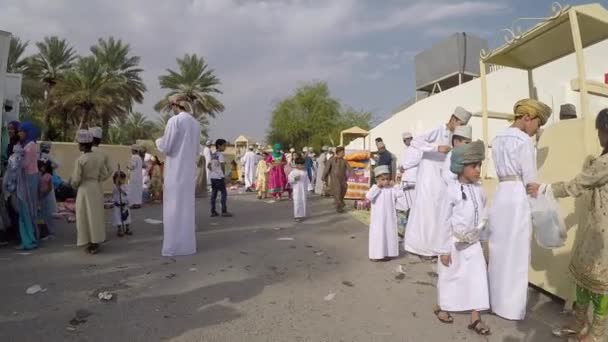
x=312 y=117
x=119 y=65
x=195 y=80
x=136 y=126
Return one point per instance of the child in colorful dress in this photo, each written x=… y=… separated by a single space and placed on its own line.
x=298 y=179
x=463 y=277
x=589 y=261
x=47 y=201
x=384 y=197
x=261 y=175
x=121 y=216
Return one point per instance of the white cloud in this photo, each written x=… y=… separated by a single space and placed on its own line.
x=260 y=49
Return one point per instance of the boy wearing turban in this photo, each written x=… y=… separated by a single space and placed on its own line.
x=462 y=283
x=514 y=157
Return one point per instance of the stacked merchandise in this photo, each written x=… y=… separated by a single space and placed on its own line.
x=359 y=177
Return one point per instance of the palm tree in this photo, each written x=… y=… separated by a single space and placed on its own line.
x=113 y=55
x=194 y=80
x=54 y=58
x=135 y=126
x=88 y=88
x=16 y=62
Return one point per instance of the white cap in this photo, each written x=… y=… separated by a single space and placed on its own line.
x=462 y=114
x=406 y=135
x=83 y=136
x=208 y=143
x=292 y=150
x=381 y=170
x=97 y=132
x=464 y=131
x=305 y=149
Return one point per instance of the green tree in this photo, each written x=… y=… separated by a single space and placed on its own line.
x=54 y=58
x=114 y=56
x=89 y=88
x=126 y=131
x=195 y=80
x=311 y=117
x=17 y=63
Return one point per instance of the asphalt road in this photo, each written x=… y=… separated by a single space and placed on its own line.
x=249 y=281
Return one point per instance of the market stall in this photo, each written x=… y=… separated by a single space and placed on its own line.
x=359 y=161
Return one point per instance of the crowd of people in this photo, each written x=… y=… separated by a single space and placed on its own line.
x=31 y=187
x=439 y=185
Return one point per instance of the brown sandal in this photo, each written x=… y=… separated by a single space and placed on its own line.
x=448 y=320
x=480 y=328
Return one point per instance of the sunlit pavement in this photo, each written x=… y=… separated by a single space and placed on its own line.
x=257 y=276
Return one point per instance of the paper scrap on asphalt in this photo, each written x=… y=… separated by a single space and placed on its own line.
x=34 y=289
x=285 y=239
x=400 y=269
x=153 y=221
x=330 y=297
x=105 y=296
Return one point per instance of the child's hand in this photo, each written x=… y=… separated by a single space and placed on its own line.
x=446 y=260
x=532 y=189
x=444 y=149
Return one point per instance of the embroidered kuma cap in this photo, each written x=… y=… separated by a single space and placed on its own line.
x=83 y=136
x=381 y=170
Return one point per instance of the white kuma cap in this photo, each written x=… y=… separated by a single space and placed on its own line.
x=464 y=131
x=462 y=114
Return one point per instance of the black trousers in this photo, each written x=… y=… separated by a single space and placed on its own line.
x=218 y=185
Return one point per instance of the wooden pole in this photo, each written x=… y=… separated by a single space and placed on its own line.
x=484 y=113
x=588 y=132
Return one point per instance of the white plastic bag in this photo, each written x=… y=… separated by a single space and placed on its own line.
x=549 y=228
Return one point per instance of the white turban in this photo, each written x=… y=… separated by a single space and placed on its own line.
x=97 y=132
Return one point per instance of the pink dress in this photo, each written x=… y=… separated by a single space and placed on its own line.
x=277 y=180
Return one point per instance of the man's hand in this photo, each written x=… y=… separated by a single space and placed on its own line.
x=532 y=189
x=444 y=149
x=446 y=260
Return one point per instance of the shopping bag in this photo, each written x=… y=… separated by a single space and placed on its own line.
x=549 y=228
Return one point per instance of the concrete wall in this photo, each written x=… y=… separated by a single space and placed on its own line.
x=505 y=87
x=560 y=151
x=5 y=39
x=66 y=154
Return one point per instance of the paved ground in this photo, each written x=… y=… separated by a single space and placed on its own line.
x=243 y=285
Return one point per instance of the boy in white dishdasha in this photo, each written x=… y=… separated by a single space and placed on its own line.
x=463 y=277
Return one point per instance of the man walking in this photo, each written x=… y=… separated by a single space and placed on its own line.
x=336 y=171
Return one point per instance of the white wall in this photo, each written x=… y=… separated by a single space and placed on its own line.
x=5 y=41
x=505 y=87
x=13 y=93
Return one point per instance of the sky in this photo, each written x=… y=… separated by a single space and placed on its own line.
x=263 y=50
